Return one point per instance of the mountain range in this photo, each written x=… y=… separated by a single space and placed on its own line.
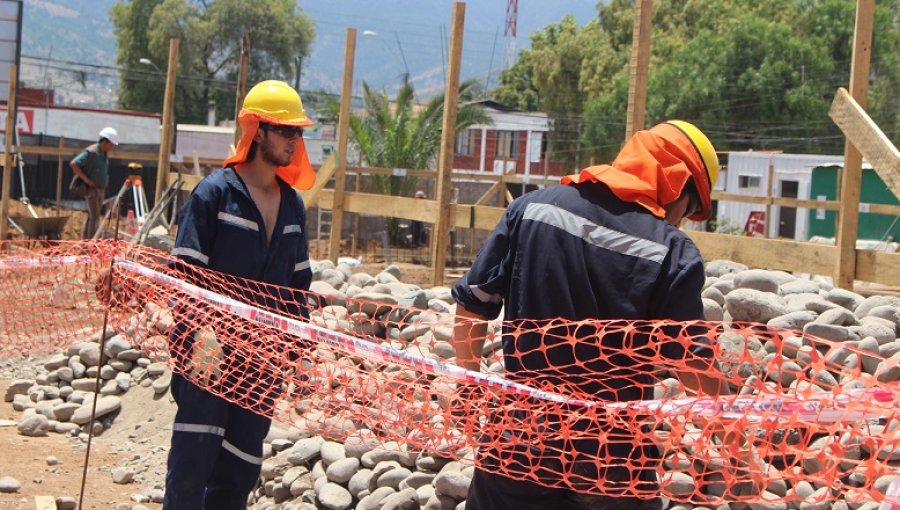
x=70 y=45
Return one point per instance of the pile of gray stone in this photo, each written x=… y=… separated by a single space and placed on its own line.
x=309 y=467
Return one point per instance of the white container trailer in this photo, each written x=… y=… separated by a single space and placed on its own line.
x=75 y=123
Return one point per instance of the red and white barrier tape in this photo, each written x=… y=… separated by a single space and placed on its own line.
x=850 y=406
x=854 y=405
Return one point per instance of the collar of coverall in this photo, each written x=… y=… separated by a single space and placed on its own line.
x=299 y=173
x=651 y=170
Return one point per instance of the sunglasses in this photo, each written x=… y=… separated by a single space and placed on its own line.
x=285 y=131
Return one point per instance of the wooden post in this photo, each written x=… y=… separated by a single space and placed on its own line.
x=355 y=239
x=165 y=141
x=8 y=160
x=59 y=175
x=441 y=232
x=337 y=207
x=640 y=62
x=851 y=177
x=243 y=70
x=769 y=187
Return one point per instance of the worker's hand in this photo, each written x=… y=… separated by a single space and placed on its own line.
x=206 y=360
x=745 y=471
x=467 y=401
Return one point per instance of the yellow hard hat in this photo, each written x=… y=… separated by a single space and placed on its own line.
x=276 y=102
x=703 y=146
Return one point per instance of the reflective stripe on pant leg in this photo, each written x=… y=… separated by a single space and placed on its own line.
x=238 y=468
x=196 y=444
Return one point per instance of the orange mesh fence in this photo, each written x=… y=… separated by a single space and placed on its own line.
x=598 y=407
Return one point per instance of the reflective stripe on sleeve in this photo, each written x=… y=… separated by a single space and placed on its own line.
x=300 y=266
x=181 y=251
x=244 y=456
x=238 y=221
x=594 y=234
x=198 y=429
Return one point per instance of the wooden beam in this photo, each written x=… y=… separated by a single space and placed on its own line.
x=59 y=175
x=770 y=185
x=851 y=176
x=462 y=216
x=165 y=141
x=828 y=205
x=878 y=267
x=8 y=162
x=340 y=181
x=323 y=175
x=243 y=72
x=487 y=194
x=781 y=254
x=867 y=137
x=67 y=152
x=441 y=234
x=640 y=63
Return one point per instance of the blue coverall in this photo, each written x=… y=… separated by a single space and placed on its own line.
x=216 y=452
x=576 y=253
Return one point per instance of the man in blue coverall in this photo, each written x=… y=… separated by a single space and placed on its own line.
x=245 y=220
x=605 y=246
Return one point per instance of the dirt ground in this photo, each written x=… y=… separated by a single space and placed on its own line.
x=25 y=458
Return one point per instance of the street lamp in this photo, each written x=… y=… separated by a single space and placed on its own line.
x=148 y=62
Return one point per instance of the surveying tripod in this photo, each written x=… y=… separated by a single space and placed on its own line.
x=135 y=183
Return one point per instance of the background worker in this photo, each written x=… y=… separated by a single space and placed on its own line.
x=605 y=245
x=91 y=168
x=245 y=220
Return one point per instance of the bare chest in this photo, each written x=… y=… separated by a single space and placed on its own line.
x=268 y=202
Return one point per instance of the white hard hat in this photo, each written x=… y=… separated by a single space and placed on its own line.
x=110 y=134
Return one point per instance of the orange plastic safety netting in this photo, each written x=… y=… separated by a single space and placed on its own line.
x=599 y=407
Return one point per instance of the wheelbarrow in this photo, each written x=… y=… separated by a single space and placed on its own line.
x=49 y=228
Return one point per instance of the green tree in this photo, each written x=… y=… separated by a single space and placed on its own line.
x=393 y=134
x=209 y=53
x=753 y=73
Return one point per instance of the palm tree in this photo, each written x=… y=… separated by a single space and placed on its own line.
x=394 y=135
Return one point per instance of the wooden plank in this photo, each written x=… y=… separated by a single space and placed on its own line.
x=851 y=176
x=828 y=205
x=441 y=234
x=165 y=141
x=486 y=217
x=44 y=503
x=8 y=162
x=770 y=183
x=241 y=91
x=878 y=267
x=487 y=194
x=323 y=175
x=59 y=176
x=868 y=138
x=337 y=207
x=640 y=63
x=762 y=253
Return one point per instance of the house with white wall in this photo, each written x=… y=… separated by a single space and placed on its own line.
x=747 y=173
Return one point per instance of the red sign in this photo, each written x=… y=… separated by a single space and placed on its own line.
x=756 y=224
x=24 y=120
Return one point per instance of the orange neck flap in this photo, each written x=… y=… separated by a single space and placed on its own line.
x=299 y=173
x=651 y=170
